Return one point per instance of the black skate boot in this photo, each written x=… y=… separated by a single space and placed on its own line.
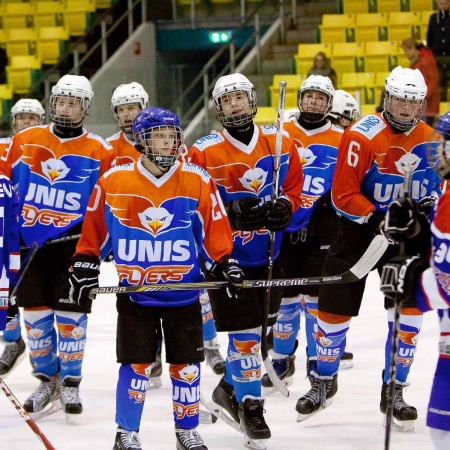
x=44 y=400
x=252 y=420
x=223 y=396
x=285 y=369
x=319 y=397
x=213 y=357
x=404 y=415
x=127 y=440
x=189 y=439
x=13 y=354
x=70 y=398
x=346 y=361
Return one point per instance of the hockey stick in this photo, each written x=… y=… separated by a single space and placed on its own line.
x=277 y=383
x=371 y=256
x=30 y=422
x=56 y=241
x=394 y=338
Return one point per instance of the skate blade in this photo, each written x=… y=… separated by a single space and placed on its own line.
x=14 y=366
x=256 y=444
x=51 y=408
x=303 y=417
x=272 y=390
x=154 y=383
x=72 y=418
x=206 y=418
x=346 y=364
x=403 y=426
x=222 y=414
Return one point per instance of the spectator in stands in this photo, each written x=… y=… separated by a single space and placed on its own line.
x=422 y=58
x=322 y=66
x=438 y=40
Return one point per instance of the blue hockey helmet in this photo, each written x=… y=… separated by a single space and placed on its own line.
x=438 y=150
x=158 y=135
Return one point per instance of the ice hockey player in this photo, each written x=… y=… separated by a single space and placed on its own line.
x=55 y=167
x=157 y=227
x=311 y=230
x=25 y=113
x=369 y=175
x=240 y=159
x=411 y=279
x=345 y=110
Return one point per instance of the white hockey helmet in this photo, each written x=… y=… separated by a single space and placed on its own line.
x=71 y=86
x=316 y=83
x=346 y=106
x=405 y=85
x=231 y=84
x=126 y=94
x=30 y=106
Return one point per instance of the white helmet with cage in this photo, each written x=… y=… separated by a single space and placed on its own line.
x=405 y=91
x=126 y=94
x=62 y=111
x=229 y=89
x=315 y=112
x=27 y=106
x=344 y=106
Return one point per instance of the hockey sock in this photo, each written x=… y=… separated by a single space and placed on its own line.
x=438 y=415
x=185 y=394
x=13 y=330
x=42 y=343
x=245 y=362
x=130 y=395
x=72 y=340
x=209 y=327
x=330 y=342
x=311 y=306
x=286 y=328
x=410 y=322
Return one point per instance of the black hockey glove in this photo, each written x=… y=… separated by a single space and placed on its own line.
x=375 y=220
x=280 y=215
x=402 y=220
x=228 y=270
x=83 y=276
x=399 y=277
x=426 y=204
x=246 y=214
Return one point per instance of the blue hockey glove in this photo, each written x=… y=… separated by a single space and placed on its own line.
x=228 y=270
x=280 y=215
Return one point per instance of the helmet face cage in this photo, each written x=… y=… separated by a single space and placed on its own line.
x=438 y=148
x=315 y=111
x=32 y=108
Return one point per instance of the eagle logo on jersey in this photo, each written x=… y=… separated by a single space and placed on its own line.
x=396 y=159
x=148 y=217
x=254 y=179
x=316 y=156
x=188 y=373
x=44 y=163
x=307 y=157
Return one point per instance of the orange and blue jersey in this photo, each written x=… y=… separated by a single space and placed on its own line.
x=317 y=150
x=370 y=167
x=157 y=228
x=123 y=148
x=241 y=171
x=54 y=178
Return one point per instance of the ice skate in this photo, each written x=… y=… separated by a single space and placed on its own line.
x=13 y=354
x=311 y=367
x=404 y=415
x=285 y=369
x=346 y=361
x=224 y=399
x=252 y=423
x=155 y=382
x=189 y=439
x=213 y=357
x=70 y=398
x=319 y=397
x=45 y=399
x=127 y=440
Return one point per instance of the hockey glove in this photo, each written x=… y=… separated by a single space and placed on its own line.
x=399 y=277
x=229 y=270
x=246 y=214
x=280 y=215
x=426 y=204
x=402 y=220
x=83 y=276
x=375 y=220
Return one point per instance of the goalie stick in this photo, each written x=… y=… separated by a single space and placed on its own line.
x=367 y=261
x=20 y=409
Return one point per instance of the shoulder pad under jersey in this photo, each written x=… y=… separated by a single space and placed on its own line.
x=190 y=167
x=102 y=141
x=113 y=137
x=207 y=141
x=120 y=167
x=369 y=126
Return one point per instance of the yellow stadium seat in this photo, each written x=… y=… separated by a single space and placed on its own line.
x=78 y=15
x=47 y=13
x=104 y=4
x=265 y=115
x=52 y=44
x=403 y=25
x=346 y=56
x=380 y=78
x=367 y=108
x=370 y=27
x=304 y=58
x=334 y=27
x=6 y=101
x=20 y=41
x=388 y=5
x=444 y=108
x=420 y=5
x=79 y=5
x=359 y=81
x=2 y=38
x=293 y=85
x=17 y=15
x=378 y=55
x=355 y=6
x=22 y=72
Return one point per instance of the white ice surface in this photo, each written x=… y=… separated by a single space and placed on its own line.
x=353 y=421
